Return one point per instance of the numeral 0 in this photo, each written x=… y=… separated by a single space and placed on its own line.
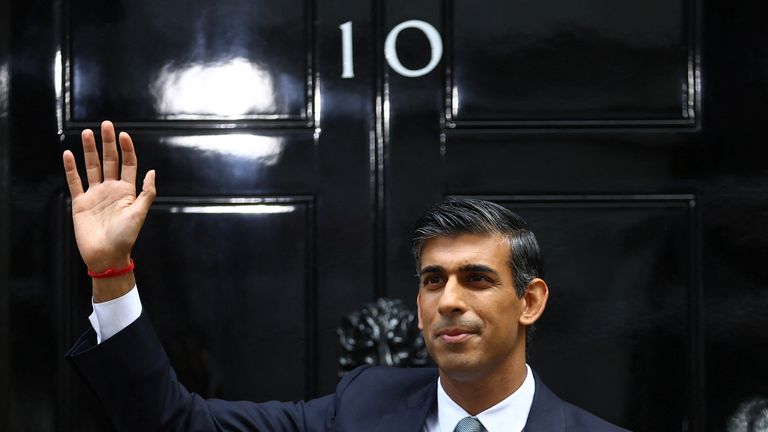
x=390 y=49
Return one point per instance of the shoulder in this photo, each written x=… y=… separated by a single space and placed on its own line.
x=578 y=419
x=550 y=413
x=371 y=396
x=382 y=378
x=384 y=387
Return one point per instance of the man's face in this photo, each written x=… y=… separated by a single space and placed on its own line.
x=468 y=309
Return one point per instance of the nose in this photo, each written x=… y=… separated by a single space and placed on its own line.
x=452 y=299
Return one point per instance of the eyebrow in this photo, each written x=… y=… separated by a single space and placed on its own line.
x=478 y=268
x=467 y=268
x=431 y=269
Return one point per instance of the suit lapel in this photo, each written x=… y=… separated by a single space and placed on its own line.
x=547 y=411
x=412 y=413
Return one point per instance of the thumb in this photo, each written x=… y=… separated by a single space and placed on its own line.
x=147 y=195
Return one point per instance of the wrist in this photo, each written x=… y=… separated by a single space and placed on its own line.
x=111 y=288
x=105 y=264
x=113 y=281
x=111 y=271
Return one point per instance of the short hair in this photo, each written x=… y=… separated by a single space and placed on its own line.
x=454 y=216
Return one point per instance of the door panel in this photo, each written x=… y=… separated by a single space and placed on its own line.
x=222 y=279
x=570 y=161
x=586 y=63
x=237 y=59
x=216 y=271
x=238 y=162
x=622 y=324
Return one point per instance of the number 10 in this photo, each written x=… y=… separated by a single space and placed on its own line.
x=390 y=49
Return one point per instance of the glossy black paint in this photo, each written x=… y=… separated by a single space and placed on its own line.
x=586 y=63
x=227 y=286
x=626 y=317
x=628 y=134
x=203 y=61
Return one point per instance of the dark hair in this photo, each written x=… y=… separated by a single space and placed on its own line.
x=471 y=216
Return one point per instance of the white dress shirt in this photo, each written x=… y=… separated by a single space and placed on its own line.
x=109 y=317
x=509 y=415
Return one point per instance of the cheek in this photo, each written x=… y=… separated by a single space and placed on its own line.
x=424 y=318
x=419 y=311
x=502 y=317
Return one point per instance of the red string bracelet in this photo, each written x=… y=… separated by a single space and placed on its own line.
x=110 y=272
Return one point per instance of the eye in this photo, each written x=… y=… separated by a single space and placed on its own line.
x=432 y=280
x=479 y=279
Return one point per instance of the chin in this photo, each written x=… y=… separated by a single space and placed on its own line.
x=457 y=367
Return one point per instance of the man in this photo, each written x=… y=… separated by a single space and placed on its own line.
x=479 y=292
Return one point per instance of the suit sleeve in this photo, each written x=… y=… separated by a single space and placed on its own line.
x=133 y=379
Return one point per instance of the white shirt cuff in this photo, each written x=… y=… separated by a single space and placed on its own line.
x=109 y=317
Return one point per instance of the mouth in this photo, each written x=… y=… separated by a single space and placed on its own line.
x=454 y=335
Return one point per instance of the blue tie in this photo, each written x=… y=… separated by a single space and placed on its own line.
x=469 y=424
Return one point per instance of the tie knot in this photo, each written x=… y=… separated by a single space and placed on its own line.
x=469 y=424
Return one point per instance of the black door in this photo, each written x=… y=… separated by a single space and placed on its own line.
x=296 y=142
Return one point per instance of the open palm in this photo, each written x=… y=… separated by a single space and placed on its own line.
x=108 y=216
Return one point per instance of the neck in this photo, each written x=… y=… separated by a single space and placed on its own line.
x=477 y=394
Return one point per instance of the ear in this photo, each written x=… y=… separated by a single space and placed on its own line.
x=418 y=310
x=534 y=301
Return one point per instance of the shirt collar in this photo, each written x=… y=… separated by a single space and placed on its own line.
x=510 y=414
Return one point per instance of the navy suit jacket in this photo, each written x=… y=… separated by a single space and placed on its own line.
x=132 y=377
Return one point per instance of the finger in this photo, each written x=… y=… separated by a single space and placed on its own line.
x=130 y=163
x=147 y=195
x=109 y=150
x=73 y=178
x=92 y=164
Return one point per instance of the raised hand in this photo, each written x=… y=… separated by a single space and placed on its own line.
x=108 y=216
